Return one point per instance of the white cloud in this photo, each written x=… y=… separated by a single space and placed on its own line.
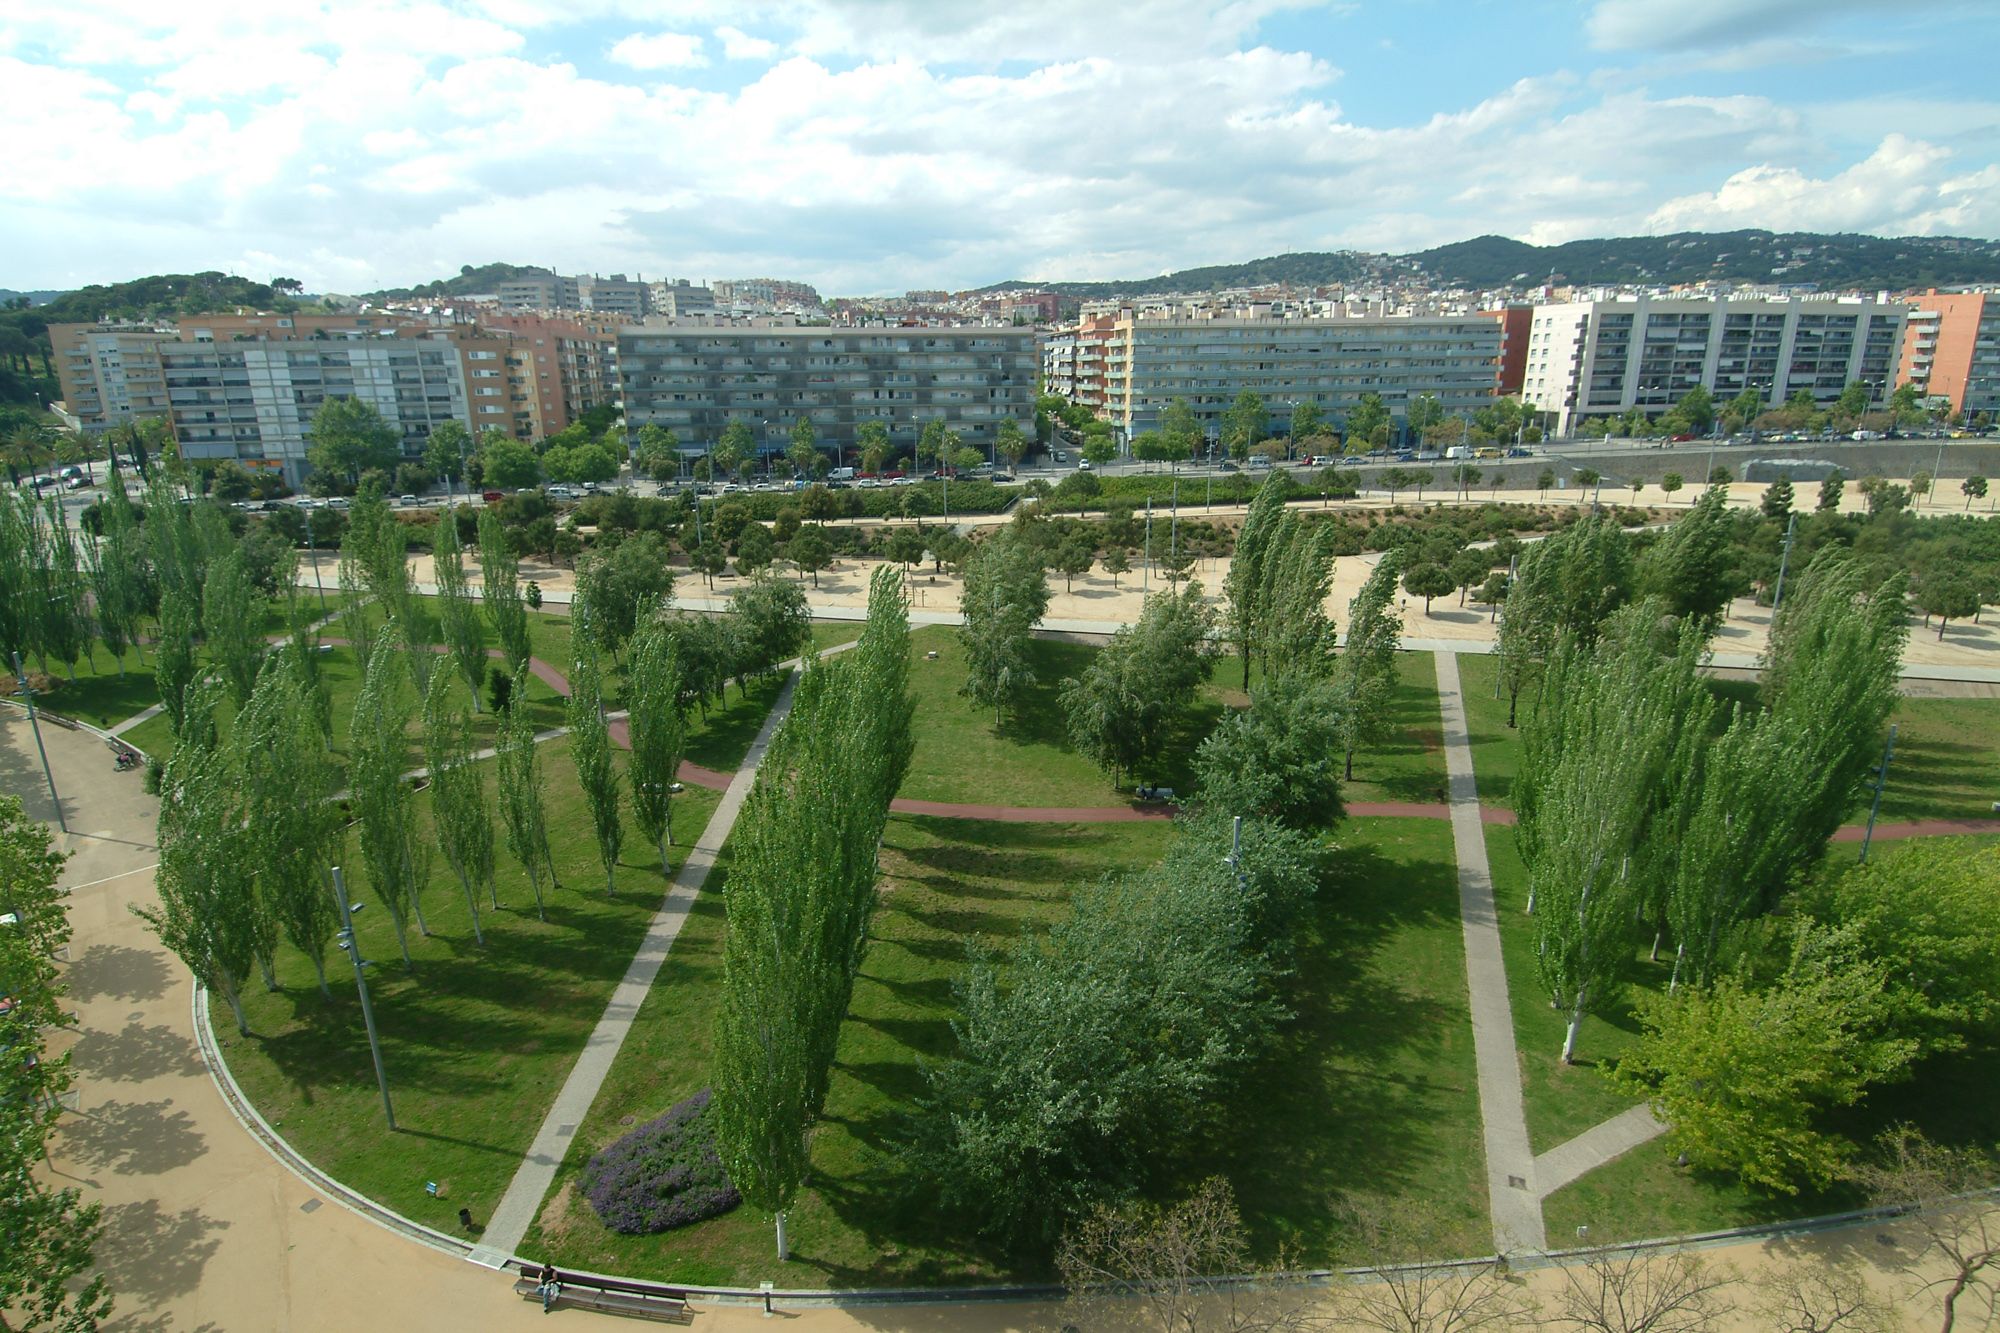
x=740 y=45
x=660 y=50
x=1905 y=187
x=1625 y=25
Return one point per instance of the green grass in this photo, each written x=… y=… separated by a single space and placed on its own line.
x=1371 y=1091
x=1410 y=765
x=832 y=633
x=99 y=695
x=1496 y=747
x=1026 y=760
x=476 y=1043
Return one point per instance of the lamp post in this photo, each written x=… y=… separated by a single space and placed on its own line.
x=35 y=723
x=1881 y=780
x=352 y=946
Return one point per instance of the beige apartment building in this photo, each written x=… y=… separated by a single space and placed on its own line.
x=1951 y=349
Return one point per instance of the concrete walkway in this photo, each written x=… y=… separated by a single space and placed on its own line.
x=1594 y=1147
x=523 y=1200
x=1513 y=1200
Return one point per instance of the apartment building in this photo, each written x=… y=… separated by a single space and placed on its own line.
x=753 y=295
x=1951 y=349
x=1517 y=323
x=1606 y=356
x=245 y=387
x=696 y=380
x=615 y=295
x=1128 y=367
x=563 y=365
x=679 y=298
x=548 y=291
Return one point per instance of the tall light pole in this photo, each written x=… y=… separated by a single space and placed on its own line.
x=1778 y=596
x=1881 y=780
x=352 y=945
x=35 y=724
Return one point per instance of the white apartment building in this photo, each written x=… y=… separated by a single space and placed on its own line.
x=1607 y=356
x=547 y=292
x=1129 y=368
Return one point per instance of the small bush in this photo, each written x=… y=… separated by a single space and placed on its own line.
x=662 y=1175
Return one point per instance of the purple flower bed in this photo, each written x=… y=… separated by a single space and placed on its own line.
x=662 y=1175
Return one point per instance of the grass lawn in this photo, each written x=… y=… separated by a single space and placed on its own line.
x=1496 y=747
x=1372 y=1090
x=99 y=695
x=832 y=633
x=1410 y=765
x=477 y=1042
x=962 y=756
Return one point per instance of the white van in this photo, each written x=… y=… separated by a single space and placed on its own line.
x=1457 y=452
x=841 y=474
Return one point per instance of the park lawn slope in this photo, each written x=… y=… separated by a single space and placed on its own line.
x=1371 y=1092
x=477 y=1042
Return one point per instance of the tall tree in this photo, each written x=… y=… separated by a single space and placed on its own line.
x=1245 y=583
x=1365 y=672
x=500 y=588
x=230 y=616
x=462 y=820
x=458 y=616
x=1692 y=568
x=377 y=745
x=1245 y=423
x=1005 y=595
x=590 y=748
x=348 y=437
x=653 y=688
x=288 y=780
x=521 y=814
x=1599 y=743
x=1567 y=584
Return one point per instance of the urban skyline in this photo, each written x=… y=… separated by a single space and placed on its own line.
x=869 y=151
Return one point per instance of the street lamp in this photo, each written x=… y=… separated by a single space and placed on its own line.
x=34 y=722
x=352 y=947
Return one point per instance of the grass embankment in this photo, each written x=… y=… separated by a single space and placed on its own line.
x=1027 y=760
x=1371 y=1089
x=477 y=1042
x=1947 y=750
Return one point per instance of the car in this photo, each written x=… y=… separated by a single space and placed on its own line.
x=867 y=484
x=1351 y=460
x=1260 y=460
x=337 y=502
x=406 y=500
x=1406 y=455
x=491 y=497
x=1003 y=476
x=1062 y=455
x=1488 y=452
x=1428 y=456
x=1518 y=452
x=307 y=502
x=1228 y=465
x=1083 y=465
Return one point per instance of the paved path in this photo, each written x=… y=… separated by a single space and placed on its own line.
x=1512 y=1198
x=517 y=1208
x=1594 y=1147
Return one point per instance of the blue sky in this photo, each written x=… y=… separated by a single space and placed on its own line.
x=877 y=145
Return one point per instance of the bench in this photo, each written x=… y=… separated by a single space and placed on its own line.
x=1156 y=793
x=554 y=1288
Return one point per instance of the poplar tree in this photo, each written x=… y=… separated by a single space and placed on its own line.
x=500 y=588
x=590 y=748
x=658 y=732
x=518 y=769
x=1365 y=672
x=459 y=813
x=287 y=781
x=801 y=891
x=382 y=800
x=1296 y=633
x=229 y=620
x=1600 y=741
x=207 y=878
x=1245 y=583
x=1567 y=583
x=66 y=627
x=460 y=618
x=175 y=665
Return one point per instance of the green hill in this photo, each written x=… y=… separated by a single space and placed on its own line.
x=470 y=281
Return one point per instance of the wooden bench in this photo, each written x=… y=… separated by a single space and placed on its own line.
x=613 y=1296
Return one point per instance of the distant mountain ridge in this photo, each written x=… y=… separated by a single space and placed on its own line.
x=471 y=281
x=1821 y=259
x=8 y=296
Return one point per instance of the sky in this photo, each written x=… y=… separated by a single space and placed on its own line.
x=875 y=146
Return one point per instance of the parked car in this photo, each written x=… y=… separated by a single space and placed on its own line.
x=1518 y=452
x=406 y=501
x=491 y=497
x=337 y=502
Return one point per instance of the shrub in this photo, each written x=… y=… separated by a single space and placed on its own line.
x=662 y=1175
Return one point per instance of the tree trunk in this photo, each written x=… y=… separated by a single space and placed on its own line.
x=1656 y=948
x=1569 y=1036
x=234 y=994
x=666 y=836
x=319 y=970
x=1350 y=764
x=423 y=926
x=535 y=879
x=472 y=902
x=270 y=976
x=402 y=940
x=1674 y=982
x=784 y=1249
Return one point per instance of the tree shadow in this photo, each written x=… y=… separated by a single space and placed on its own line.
x=149 y=1256
x=135 y=1053
x=132 y=1138
x=109 y=971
